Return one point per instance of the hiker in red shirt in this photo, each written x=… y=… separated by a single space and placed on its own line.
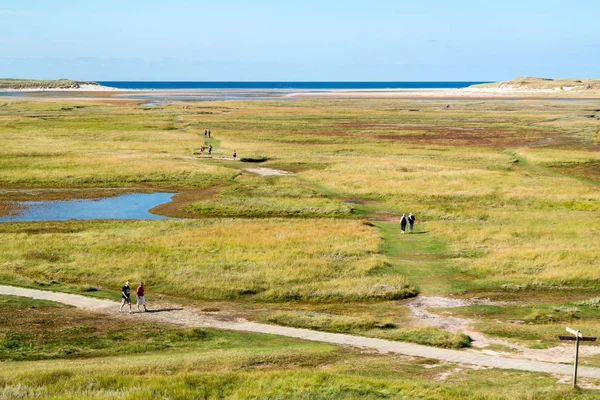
x=140 y=296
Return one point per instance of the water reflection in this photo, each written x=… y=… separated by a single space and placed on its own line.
x=127 y=206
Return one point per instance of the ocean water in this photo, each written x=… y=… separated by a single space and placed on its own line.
x=285 y=85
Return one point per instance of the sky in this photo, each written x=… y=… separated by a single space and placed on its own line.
x=308 y=40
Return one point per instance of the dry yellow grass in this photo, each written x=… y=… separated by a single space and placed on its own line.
x=319 y=260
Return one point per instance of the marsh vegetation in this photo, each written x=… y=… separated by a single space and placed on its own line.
x=506 y=195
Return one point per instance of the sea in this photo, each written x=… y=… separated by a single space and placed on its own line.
x=235 y=90
x=286 y=85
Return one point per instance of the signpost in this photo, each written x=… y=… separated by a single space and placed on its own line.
x=578 y=337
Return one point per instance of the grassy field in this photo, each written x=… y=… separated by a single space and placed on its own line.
x=506 y=194
x=75 y=354
x=272 y=196
x=467 y=172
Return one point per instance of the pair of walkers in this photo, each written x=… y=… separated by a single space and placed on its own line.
x=410 y=221
x=204 y=148
x=126 y=297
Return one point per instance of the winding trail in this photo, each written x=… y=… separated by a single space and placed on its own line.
x=189 y=318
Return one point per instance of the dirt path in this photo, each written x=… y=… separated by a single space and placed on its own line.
x=268 y=171
x=181 y=316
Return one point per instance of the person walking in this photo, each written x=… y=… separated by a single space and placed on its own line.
x=209 y=149
x=125 y=297
x=234 y=154
x=209 y=133
x=411 y=222
x=205 y=132
x=139 y=292
x=403 y=222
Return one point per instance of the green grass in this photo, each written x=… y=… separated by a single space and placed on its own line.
x=268 y=376
x=38 y=330
x=422 y=258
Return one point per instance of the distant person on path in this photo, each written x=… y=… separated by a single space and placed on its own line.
x=234 y=154
x=210 y=149
x=139 y=292
x=403 y=222
x=205 y=132
x=202 y=149
x=411 y=222
x=125 y=297
x=209 y=133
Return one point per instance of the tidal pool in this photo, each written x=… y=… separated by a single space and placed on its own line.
x=126 y=206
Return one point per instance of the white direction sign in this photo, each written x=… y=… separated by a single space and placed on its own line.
x=574 y=332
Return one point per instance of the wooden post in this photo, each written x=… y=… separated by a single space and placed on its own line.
x=578 y=337
x=576 y=360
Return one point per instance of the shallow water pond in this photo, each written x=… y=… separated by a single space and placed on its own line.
x=126 y=206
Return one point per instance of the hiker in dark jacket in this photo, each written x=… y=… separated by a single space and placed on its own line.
x=411 y=222
x=403 y=222
x=125 y=297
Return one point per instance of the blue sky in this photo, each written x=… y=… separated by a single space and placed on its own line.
x=307 y=40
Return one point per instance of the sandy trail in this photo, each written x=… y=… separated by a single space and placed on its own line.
x=184 y=317
x=268 y=171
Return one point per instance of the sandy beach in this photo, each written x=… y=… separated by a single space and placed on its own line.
x=446 y=93
x=105 y=92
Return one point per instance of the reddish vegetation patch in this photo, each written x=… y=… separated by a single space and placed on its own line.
x=174 y=207
x=433 y=134
x=589 y=170
x=7 y=208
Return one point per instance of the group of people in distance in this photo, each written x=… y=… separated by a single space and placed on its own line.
x=204 y=147
x=126 y=297
x=410 y=221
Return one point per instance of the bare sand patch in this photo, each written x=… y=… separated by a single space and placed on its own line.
x=268 y=171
